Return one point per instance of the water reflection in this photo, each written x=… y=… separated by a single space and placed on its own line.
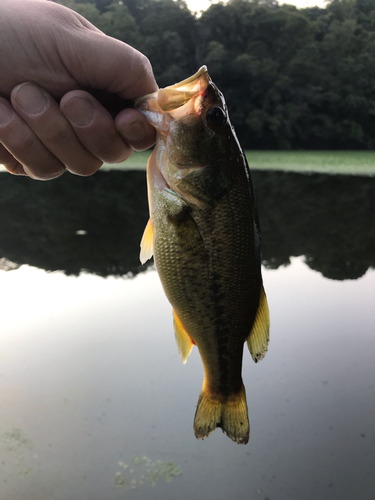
x=95 y=224
x=74 y=223
x=327 y=218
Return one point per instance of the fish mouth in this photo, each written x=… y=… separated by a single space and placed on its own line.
x=178 y=95
x=183 y=99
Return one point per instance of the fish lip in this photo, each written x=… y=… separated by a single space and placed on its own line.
x=201 y=71
x=168 y=101
x=145 y=98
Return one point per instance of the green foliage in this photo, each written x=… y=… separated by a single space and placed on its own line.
x=293 y=78
x=119 y=23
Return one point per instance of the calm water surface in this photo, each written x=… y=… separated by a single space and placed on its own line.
x=91 y=379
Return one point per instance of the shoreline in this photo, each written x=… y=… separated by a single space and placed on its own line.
x=304 y=162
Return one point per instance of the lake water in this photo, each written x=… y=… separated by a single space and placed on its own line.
x=94 y=400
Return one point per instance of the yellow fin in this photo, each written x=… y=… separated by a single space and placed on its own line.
x=147 y=243
x=183 y=339
x=259 y=337
x=229 y=414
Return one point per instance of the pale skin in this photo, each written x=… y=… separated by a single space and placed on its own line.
x=48 y=123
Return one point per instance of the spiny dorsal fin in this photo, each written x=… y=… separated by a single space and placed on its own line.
x=259 y=337
x=183 y=339
x=147 y=243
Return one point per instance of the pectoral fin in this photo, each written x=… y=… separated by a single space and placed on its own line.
x=259 y=337
x=183 y=339
x=147 y=243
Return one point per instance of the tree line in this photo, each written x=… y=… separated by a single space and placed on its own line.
x=292 y=78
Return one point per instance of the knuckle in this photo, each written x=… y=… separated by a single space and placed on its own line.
x=59 y=133
x=146 y=67
x=145 y=63
x=26 y=141
x=142 y=75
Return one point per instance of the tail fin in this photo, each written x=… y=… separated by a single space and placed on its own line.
x=229 y=414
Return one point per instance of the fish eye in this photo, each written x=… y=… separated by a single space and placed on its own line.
x=216 y=116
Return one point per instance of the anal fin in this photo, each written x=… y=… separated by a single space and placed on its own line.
x=183 y=339
x=259 y=337
x=147 y=243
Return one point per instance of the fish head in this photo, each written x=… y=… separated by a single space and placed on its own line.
x=196 y=146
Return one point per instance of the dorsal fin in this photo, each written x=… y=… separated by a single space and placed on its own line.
x=183 y=339
x=259 y=337
x=147 y=243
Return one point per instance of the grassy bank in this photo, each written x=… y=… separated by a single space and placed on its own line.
x=329 y=162
x=332 y=162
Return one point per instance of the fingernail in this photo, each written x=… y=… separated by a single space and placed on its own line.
x=31 y=98
x=79 y=111
x=134 y=131
x=6 y=114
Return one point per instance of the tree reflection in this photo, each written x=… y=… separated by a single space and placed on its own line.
x=327 y=218
x=74 y=223
x=95 y=224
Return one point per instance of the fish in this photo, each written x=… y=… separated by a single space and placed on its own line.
x=204 y=235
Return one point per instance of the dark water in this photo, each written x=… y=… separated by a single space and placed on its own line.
x=90 y=376
x=328 y=219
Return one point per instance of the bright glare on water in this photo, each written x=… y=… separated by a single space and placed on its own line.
x=91 y=377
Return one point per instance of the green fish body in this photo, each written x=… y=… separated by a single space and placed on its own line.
x=204 y=235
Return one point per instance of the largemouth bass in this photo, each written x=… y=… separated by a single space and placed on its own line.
x=204 y=235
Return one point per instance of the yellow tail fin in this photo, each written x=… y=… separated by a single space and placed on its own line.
x=229 y=414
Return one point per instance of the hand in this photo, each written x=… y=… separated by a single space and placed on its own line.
x=49 y=53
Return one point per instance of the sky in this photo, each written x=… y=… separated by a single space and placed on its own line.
x=197 y=5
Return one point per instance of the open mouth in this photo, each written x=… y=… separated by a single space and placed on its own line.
x=183 y=99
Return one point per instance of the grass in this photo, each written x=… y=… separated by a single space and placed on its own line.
x=328 y=162
x=137 y=161
x=331 y=162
